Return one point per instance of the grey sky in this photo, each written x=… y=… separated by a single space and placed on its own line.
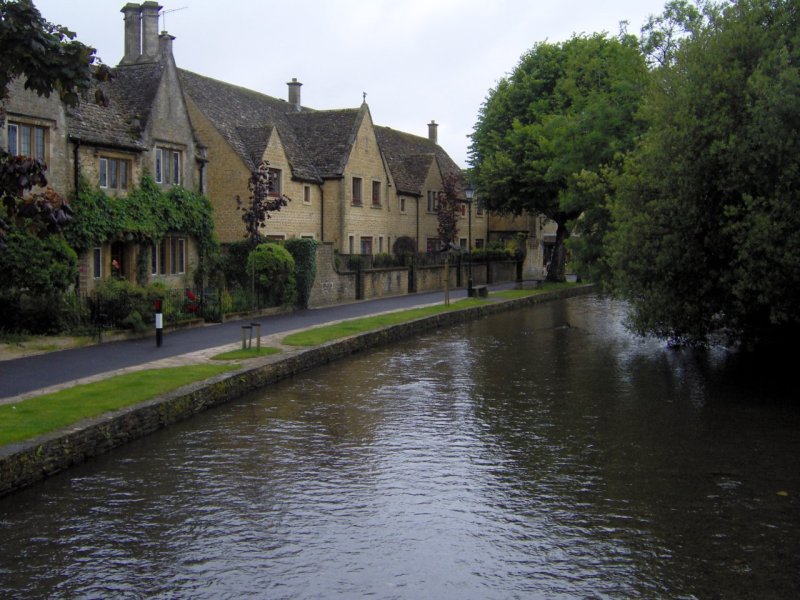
x=417 y=60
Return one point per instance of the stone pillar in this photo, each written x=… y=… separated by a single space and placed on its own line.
x=133 y=33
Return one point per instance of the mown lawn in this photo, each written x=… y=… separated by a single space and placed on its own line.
x=42 y=414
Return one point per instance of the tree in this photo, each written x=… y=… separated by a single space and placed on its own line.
x=566 y=110
x=706 y=232
x=448 y=208
x=263 y=201
x=46 y=56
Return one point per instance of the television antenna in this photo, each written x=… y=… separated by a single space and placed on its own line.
x=164 y=16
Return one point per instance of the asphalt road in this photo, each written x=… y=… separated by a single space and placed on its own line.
x=23 y=375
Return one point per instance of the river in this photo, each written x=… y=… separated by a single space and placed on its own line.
x=542 y=453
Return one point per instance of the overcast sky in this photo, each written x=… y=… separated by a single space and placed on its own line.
x=417 y=60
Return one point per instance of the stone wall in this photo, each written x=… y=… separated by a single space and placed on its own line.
x=25 y=463
x=333 y=287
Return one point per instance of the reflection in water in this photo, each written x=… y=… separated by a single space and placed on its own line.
x=541 y=453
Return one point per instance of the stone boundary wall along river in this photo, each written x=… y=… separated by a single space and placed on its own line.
x=25 y=463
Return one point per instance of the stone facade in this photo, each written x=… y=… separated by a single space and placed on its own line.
x=145 y=128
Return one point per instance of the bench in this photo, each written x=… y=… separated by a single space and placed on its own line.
x=481 y=291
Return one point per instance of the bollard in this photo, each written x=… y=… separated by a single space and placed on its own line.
x=247 y=336
x=257 y=327
x=159 y=324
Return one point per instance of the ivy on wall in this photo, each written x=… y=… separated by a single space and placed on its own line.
x=145 y=215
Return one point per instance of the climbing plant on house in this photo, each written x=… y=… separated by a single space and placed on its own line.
x=145 y=215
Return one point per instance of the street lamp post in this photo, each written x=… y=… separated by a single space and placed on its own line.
x=470 y=194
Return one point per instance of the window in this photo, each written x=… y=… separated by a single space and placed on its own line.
x=275 y=187
x=351 y=244
x=154 y=260
x=168 y=166
x=479 y=209
x=357 y=190
x=463 y=208
x=97 y=263
x=366 y=245
x=307 y=194
x=433 y=244
x=114 y=173
x=27 y=140
x=402 y=204
x=433 y=201
x=462 y=243
x=376 y=193
x=479 y=243
x=380 y=245
x=169 y=257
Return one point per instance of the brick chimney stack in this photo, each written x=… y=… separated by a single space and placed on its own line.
x=150 y=44
x=133 y=33
x=433 y=134
x=294 y=94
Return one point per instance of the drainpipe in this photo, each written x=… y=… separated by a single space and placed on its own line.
x=76 y=166
x=417 y=235
x=321 y=213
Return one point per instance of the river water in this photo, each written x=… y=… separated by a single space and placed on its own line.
x=543 y=453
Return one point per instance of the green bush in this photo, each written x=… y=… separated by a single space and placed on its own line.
x=120 y=303
x=304 y=252
x=273 y=268
x=384 y=260
x=404 y=245
x=35 y=276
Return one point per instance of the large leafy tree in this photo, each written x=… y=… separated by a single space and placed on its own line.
x=46 y=56
x=706 y=235
x=546 y=133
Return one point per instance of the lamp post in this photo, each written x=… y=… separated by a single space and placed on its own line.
x=470 y=194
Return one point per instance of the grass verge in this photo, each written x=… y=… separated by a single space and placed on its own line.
x=327 y=333
x=544 y=289
x=42 y=414
x=245 y=354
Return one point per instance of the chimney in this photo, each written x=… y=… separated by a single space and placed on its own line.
x=294 y=94
x=432 y=132
x=165 y=44
x=133 y=33
x=150 y=44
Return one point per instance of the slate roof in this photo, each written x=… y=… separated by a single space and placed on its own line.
x=317 y=142
x=410 y=158
x=327 y=137
x=246 y=119
x=130 y=94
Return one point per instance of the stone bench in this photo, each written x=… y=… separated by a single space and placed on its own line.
x=481 y=291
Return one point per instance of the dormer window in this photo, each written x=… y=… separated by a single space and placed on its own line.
x=275 y=188
x=114 y=173
x=168 y=166
x=357 y=189
x=376 y=193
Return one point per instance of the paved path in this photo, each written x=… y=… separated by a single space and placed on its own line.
x=21 y=377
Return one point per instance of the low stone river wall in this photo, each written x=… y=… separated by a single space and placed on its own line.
x=25 y=463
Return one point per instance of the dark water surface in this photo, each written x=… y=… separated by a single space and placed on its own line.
x=543 y=453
